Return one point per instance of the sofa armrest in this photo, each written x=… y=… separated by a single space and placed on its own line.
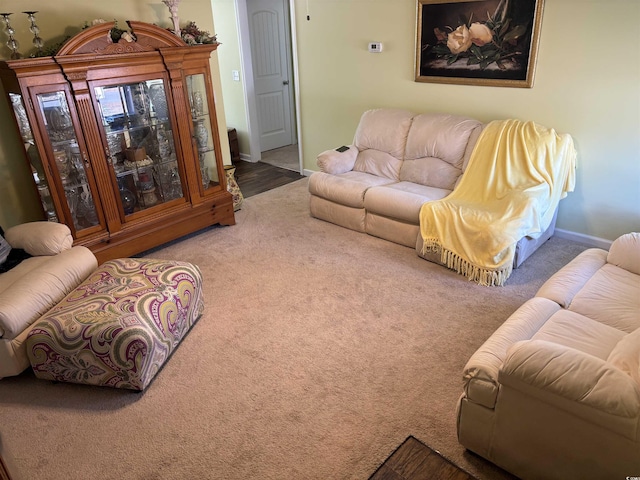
x=40 y=238
x=581 y=384
x=625 y=252
x=569 y=280
x=334 y=162
x=480 y=374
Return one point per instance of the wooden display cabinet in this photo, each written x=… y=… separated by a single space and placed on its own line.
x=122 y=138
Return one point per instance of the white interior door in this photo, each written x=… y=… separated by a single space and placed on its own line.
x=270 y=52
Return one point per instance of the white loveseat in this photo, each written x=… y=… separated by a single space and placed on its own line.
x=398 y=161
x=554 y=393
x=36 y=284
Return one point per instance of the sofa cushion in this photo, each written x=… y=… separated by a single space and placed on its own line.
x=580 y=333
x=346 y=189
x=40 y=238
x=43 y=282
x=625 y=252
x=612 y=297
x=401 y=200
x=626 y=355
x=384 y=130
x=381 y=164
x=381 y=137
x=435 y=150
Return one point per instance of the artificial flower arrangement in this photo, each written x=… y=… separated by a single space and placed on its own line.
x=192 y=35
x=482 y=43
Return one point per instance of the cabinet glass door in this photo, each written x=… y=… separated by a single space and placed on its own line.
x=140 y=143
x=67 y=159
x=197 y=92
x=37 y=169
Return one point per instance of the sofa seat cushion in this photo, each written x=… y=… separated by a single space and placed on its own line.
x=612 y=297
x=345 y=189
x=401 y=200
x=30 y=289
x=580 y=333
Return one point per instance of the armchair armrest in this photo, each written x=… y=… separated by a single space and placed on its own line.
x=569 y=280
x=582 y=384
x=334 y=162
x=40 y=238
x=481 y=371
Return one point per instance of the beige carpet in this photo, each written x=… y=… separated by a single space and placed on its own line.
x=320 y=351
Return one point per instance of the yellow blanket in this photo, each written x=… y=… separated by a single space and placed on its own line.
x=517 y=174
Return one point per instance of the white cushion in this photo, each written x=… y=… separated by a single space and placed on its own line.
x=40 y=238
x=384 y=130
x=625 y=252
x=626 y=355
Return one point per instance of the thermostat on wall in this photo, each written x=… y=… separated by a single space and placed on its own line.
x=375 y=47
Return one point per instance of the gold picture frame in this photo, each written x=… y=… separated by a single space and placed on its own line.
x=478 y=42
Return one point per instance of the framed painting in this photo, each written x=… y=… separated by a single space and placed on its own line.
x=478 y=42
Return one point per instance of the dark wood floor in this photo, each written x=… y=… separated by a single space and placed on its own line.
x=413 y=460
x=258 y=177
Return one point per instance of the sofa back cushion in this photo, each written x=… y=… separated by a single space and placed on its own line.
x=381 y=137
x=437 y=145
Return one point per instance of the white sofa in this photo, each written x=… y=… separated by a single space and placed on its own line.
x=398 y=161
x=554 y=393
x=36 y=284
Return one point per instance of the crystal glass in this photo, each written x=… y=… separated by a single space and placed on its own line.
x=33 y=28
x=12 y=43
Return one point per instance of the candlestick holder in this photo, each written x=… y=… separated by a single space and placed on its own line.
x=33 y=28
x=12 y=43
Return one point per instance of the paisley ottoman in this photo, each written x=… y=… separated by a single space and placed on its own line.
x=119 y=326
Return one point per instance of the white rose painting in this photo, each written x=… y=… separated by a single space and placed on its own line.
x=482 y=42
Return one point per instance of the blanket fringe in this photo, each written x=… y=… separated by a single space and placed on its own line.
x=482 y=276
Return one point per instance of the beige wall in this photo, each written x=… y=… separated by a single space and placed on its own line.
x=18 y=201
x=587 y=84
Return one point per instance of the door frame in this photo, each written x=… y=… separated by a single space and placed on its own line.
x=249 y=89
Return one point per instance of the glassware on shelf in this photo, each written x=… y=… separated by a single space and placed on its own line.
x=12 y=43
x=33 y=28
x=198 y=103
x=159 y=101
x=128 y=198
x=21 y=117
x=62 y=163
x=202 y=134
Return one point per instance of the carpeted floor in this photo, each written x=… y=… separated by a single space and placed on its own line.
x=321 y=349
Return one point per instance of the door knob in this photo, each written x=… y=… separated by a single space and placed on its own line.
x=285 y=82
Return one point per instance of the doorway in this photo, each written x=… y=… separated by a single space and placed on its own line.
x=267 y=39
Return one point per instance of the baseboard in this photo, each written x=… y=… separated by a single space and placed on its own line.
x=247 y=158
x=595 y=242
x=307 y=172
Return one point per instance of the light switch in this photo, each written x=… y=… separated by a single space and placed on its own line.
x=375 y=47
x=236 y=75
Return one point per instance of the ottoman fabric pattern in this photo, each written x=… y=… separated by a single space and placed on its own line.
x=119 y=326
